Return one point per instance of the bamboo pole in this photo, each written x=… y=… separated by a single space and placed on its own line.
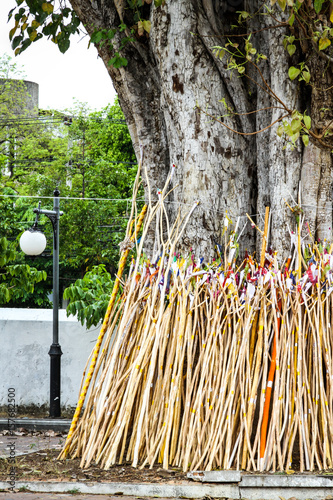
x=100 y=338
x=197 y=350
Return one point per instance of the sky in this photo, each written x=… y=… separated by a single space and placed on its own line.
x=78 y=73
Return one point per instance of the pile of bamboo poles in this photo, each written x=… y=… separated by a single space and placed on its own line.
x=208 y=366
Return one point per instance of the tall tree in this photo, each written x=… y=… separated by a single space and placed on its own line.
x=169 y=75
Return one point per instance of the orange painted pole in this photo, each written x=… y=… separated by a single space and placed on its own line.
x=269 y=386
x=84 y=391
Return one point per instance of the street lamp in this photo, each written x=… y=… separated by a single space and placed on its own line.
x=33 y=242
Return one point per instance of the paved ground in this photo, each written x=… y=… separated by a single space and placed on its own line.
x=61 y=496
x=29 y=444
x=24 y=443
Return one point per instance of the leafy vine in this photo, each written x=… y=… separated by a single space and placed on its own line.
x=310 y=25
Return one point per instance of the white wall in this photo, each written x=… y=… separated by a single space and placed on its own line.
x=25 y=339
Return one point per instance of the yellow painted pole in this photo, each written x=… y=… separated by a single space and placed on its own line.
x=299 y=249
x=84 y=391
x=264 y=239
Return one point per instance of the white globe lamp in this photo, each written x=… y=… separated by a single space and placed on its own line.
x=33 y=242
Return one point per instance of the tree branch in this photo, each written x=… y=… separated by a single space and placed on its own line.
x=243 y=133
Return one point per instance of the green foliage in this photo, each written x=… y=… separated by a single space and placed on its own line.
x=289 y=45
x=100 y=37
x=117 y=61
x=238 y=56
x=23 y=136
x=293 y=72
x=297 y=126
x=16 y=277
x=89 y=297
x=22 y=283
x=311 y=33
x=102 y=165
x=9 y=69
x=90 y=157
x=35 y=19
x=318 y=4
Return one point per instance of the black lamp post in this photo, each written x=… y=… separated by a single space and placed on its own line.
x=33 y=242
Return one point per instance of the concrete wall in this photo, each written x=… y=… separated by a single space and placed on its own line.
x=25 y=339
x=31 y=97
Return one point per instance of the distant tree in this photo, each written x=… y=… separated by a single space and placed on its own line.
x=16 y=114
x=86 y=155
x=102 y=165
x=18 y=279
x=89 y=297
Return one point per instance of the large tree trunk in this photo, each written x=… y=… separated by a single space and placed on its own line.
x=317 y=161
x=169 y=77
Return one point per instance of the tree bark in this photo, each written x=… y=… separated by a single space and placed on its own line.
x=172 y=76
x=317 y=161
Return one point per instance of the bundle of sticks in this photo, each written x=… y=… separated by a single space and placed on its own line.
x=210 y=365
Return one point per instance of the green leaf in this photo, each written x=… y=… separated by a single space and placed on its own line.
x=12 y=31
x=291 y=20
x=294 y=137
x=96 y=37
x=287 y=129
x=19 y=14
x=25 y=44
x=280 y=131
x=33 y=35
x=111 y=34
x=146 y=26
x=117 y=61
x=16 y=42
x=10 y=14
x=291 y=49
x=47 y=7
x=307 y=121
x=306 y=75
x=241 y=69
x=318 y=5
x=305 y=139
x=75 y=23
x=293 y=72
x=296 y=125
x=140 y=28
x=282 y=4
x=63 y=44
x=324 y=43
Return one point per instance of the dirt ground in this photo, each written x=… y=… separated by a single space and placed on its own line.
x=36 y=454
x=44 y=466
x=36 y=460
